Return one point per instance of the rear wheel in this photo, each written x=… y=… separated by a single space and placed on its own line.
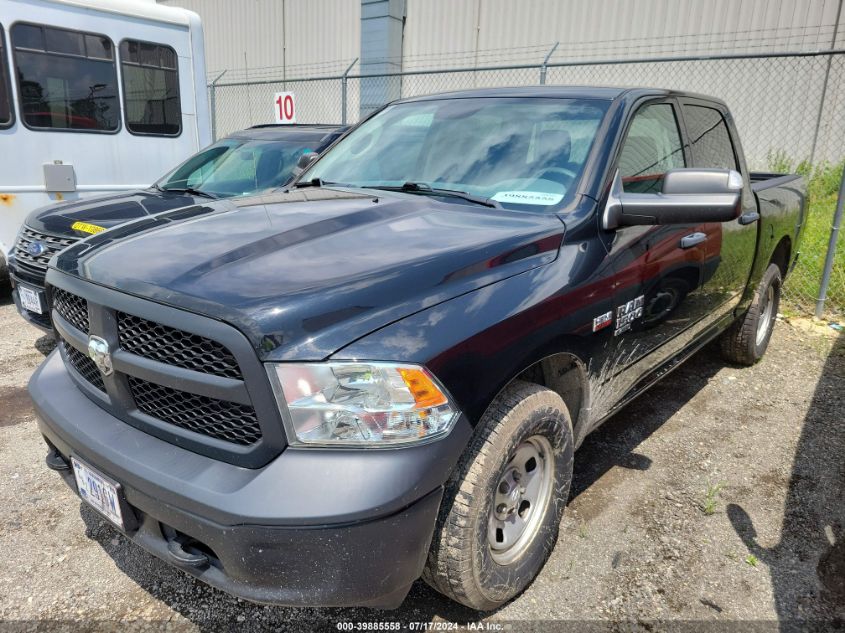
x=746 y=341
x=500 y=513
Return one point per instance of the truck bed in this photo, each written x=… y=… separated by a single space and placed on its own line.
x=761 y=180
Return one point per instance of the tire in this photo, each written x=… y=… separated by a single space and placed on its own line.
x=462 y=563
x=746 y=340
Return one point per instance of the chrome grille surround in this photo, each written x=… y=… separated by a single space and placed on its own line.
x=36 y=265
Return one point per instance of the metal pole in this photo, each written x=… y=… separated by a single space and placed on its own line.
x=343 y=81
x=545 y=66
x=831 y=248
x=213 y=104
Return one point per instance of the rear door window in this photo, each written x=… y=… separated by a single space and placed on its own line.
x=150 y=88
x=67 y=79
x=652 y=147
x=709 y=138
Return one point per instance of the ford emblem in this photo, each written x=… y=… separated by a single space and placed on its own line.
x=36 y=248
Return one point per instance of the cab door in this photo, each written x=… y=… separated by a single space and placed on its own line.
x=660 y=269
x=730 y=246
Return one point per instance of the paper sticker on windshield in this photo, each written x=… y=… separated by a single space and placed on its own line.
x=528 y=197
x=93 y=229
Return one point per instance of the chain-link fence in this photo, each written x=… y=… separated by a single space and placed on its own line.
x=788 y=108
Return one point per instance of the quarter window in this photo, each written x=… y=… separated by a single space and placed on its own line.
x=709 y=137
x=67 y=80
x=5 y=96
x=150 y=88
x=652 y=147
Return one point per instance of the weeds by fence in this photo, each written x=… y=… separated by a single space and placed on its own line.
x=802 y=287
x=787 y=107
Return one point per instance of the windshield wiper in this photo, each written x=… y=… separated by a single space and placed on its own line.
x=421 y=188
x=315 y=182
x=190 y=190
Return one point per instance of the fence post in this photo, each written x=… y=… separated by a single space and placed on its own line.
x=344 y=80
x=213 y=105
x=544 y=67
x=831 y=248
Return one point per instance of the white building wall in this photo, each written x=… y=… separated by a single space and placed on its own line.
x=263 y=39
x=265 y=43
x=298 y=38
x=458 y=32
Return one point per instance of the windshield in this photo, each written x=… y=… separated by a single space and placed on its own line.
x=237 y=167
x=518 y=152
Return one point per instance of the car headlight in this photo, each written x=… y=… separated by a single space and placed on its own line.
x=362 y=403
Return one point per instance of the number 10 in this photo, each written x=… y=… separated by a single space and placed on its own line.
x=285 y=107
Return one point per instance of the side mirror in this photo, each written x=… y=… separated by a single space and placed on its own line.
x=306 y=160
x=689 y=196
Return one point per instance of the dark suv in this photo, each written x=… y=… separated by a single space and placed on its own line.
x=259 y=158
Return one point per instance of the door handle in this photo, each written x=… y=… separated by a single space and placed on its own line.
x=688 y=241
x=749 y=218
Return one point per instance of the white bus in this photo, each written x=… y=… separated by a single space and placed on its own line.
x=96 y=96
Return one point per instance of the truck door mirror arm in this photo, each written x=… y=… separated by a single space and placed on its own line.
x=689 y=196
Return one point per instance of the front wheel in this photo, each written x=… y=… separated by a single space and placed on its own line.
x=746 y=341
x=499 y=518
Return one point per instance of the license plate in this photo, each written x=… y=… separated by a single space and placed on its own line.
x=30 y=299
x=98 y=491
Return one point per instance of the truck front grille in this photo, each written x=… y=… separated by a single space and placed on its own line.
x=36 y=265
x=84 y=366
x=227 y=421
x=175 y=347
x=74 y=309
x=137 y=390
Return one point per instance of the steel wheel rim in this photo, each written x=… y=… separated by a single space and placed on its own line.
x=520 y=500
x=766 y=317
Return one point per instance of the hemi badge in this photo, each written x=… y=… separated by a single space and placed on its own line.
x=602 y=321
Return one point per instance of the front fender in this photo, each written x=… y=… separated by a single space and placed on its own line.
x=477 y=343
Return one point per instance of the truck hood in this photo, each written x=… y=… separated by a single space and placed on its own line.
x=105 y=211
x=305 y=273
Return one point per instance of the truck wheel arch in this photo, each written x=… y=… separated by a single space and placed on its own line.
x=782 y=255
x=565 y=374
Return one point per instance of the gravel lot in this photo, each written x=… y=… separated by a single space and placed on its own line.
x=641 y=540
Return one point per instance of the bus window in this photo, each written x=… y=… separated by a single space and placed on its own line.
x=150 y=88
x=67 y=80
x=6 y=118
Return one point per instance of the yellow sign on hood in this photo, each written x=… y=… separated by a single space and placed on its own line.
x=87 y=228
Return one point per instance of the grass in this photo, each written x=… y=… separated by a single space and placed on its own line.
x=708 y=506
x=751 y=559
x=582 y=529
x=802 y=287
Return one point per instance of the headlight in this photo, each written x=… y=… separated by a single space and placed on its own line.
x=367 y=404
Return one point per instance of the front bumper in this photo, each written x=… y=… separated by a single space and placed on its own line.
x=311 y=528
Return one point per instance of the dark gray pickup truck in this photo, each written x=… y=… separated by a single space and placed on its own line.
x=314 y=397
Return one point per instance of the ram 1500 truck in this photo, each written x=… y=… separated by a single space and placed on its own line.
x=316 y=396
